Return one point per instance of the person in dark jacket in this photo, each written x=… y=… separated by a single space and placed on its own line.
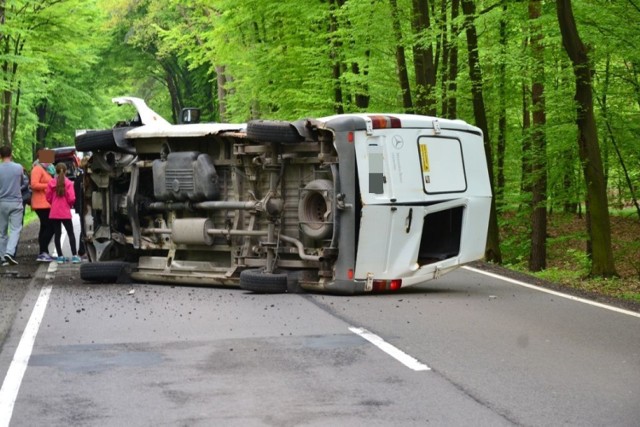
x=78 y=186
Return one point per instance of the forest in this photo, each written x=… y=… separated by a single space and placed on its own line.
x=554 y=86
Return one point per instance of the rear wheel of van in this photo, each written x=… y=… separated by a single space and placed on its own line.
x=273 y=131
x=257 y=280
x=105 y=272
x=96 y=140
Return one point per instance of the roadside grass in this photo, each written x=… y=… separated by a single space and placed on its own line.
x=567 y=262
x=29 y=216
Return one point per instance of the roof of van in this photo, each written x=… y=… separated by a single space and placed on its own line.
x=189 y=130
x=154 y=126
x=408 y=121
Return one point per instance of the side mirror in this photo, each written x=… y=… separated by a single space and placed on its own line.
x=190 y=115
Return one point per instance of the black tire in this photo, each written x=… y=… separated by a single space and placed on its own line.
x=96 y=140
x=256 y=280
x=273 y=131
x=105 y=272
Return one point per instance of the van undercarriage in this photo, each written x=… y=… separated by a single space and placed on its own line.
x=270 y=206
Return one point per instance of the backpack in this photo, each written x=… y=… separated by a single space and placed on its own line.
x=26 y=189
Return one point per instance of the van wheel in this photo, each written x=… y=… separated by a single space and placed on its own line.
x=96 y=140
x=256 y=280
x=314 y=209
x=273 y=131
x=105 y=272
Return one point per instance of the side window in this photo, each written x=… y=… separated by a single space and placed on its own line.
x=442 y=165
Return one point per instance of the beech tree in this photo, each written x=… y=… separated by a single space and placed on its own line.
x=423 y=59
x=47 y=49
x=538 y=253
x=492 y=252
x=598 y=223
x=401 y=59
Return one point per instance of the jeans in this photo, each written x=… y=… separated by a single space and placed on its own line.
x=10 y=226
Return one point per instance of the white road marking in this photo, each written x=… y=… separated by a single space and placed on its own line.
x=75 y=219
x=13 y=379
x=552 y=292
x=402 y=357
x=51 y=270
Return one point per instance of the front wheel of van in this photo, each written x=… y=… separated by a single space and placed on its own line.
x=96 y=140
x=273 y=131
x=257 y=280
x=105 y=272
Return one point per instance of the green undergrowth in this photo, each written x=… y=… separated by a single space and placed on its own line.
x=568 y=264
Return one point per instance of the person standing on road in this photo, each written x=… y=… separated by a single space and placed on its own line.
x=10 y=206
x=78 y=187
x=41 y=174
x=61 y=196
x=25 y=190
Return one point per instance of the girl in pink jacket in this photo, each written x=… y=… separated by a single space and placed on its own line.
x=61 y=196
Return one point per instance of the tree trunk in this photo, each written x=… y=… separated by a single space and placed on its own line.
x=170 y=78
x=589 y=151
x=446 y=49
x=538 y=254
x=5 y=111
x=492 y=252
x=525 y=182
x=41 y=130
x=401 y=61
x=221 y=83
x=451 y=110
x=605 y=113
x=423 y=61
x=502 y=112
x=336 y=67
x=362 y=88
x=5 y=134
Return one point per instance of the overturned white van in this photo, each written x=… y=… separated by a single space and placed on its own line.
x=344 y=204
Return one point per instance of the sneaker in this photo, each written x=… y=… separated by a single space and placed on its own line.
x=11 y=260
x=5 y=264
x=44 y=257
x=61 y=260
x=75 y=259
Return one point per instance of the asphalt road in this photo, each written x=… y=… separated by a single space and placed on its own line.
x=468 y=349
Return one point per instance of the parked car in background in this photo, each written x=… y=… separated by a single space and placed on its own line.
x=70 y=157
x=346 y=204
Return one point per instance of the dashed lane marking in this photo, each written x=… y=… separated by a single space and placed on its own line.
x=402 y=357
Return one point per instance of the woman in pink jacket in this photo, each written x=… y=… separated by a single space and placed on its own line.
x=61 y=196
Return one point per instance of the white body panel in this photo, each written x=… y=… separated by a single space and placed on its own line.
x=413 y=170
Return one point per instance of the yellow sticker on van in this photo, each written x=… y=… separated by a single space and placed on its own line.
x=424 y=157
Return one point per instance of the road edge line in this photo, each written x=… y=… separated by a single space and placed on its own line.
x=17 y=368
x=552 y=292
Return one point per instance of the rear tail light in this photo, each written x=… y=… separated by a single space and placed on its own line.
x=350 y=137
x=385 y=122
x=386 y=285
x=394 y=285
